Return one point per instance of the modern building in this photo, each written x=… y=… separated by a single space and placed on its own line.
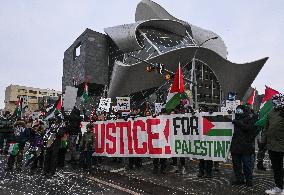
x=35 y=97
x=109 y=61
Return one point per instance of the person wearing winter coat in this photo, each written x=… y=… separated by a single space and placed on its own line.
x=73 y=128
x=242 y=145
x=52 y=140
x=87 y=147
x=36 y=145
x=20 y=136
x=6 y=132
x=273 y=138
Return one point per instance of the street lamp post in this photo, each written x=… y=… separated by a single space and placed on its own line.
x=193 y=72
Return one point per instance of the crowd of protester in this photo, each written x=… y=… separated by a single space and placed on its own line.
x=44 y=144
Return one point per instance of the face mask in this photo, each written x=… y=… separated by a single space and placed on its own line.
x=239 y=111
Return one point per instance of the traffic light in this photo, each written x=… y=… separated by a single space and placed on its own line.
x=167 y=76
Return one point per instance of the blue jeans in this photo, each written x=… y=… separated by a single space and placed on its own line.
x=243 y=166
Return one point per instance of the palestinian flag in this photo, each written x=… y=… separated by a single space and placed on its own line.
x=266 y=106
x=56 y=109
x=176 y=93
x=85 y=96
x=217 y=126
x=251 y=98
x=13 y=148
x=18 y=110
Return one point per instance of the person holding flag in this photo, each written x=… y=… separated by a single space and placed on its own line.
x=273 y=138
x=265 y=107
x=174 y=101
x=20 y=137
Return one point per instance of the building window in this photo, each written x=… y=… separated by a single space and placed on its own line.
x=33 y=97
x=77 y=51
x=22 y=91
x=33 y=92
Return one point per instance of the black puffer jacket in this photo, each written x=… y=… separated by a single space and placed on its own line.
x=74 y=122
x=245 y=131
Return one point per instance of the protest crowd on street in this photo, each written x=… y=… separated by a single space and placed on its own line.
x=43 y=144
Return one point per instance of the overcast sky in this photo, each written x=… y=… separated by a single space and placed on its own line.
x=35 y=33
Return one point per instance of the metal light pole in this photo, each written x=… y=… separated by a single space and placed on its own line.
x=193 y=72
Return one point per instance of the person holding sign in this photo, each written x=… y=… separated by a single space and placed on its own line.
x=242 y=145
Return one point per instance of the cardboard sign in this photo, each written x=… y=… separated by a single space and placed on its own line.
x=123 y=103
x=232 y=105
x=158 y=108
x=202 y=136
x=104 y=104
x=70 y=97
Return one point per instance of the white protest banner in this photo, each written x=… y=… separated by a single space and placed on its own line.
x=202 y=136
x=158 y=108
x=70 y=97
x=104 y=104
x=123 y=103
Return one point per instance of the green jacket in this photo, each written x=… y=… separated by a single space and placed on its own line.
x=273 y=134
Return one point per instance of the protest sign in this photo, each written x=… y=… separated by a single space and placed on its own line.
x=123 y=103
x=232 y=105
x=158 y=108
x=104 y=104
x=201 y=136
x=70 y=97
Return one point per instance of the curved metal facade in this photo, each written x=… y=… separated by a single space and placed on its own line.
x=129 y=77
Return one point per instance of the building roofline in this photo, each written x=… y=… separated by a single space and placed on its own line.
x=20 y=86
